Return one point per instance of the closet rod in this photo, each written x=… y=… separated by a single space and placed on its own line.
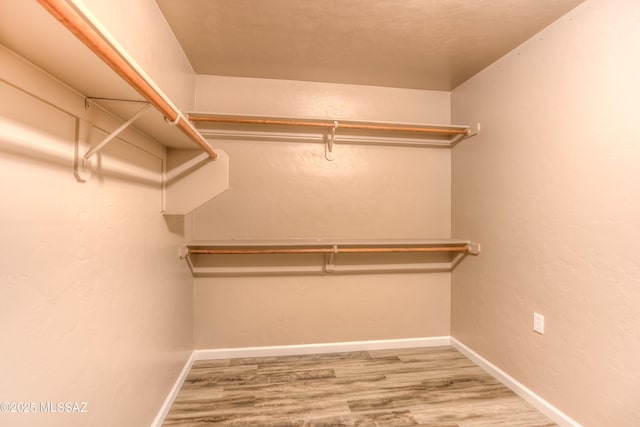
x=359 y=126
x=106 y=48
x=326 y=250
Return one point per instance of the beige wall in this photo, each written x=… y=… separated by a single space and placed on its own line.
x=239 y=95
x=95 y=305
x=550 y=189
x=289 y=190
x=263 y=311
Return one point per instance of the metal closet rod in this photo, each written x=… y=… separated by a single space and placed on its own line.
x=332 y=250
x=98 y=42
x=359 y=126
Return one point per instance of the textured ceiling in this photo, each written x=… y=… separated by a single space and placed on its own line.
x=422 y=44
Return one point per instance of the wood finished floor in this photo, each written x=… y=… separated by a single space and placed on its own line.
x=409 y=387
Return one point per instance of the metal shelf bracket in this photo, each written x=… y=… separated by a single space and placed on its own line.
x=331 y=139
x=83 y=162
x=329 y=259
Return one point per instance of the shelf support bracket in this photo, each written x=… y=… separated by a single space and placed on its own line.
x=472 y=249
x=331 y=138
x=456 y=260
x=83 y=165
x=456 y=139
x=470 y=134
x=473 y=132
x=329 y=259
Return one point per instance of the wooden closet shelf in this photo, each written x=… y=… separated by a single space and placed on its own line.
x=330 y=124
x=393 y=261
x=262 y=128
x=255 y=251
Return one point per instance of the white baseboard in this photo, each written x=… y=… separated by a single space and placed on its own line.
x=536 y=401
x=173 y=393
x=338 y=347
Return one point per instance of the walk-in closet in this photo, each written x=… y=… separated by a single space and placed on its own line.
x=319 y=213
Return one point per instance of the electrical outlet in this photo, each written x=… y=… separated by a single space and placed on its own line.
x=538 y=323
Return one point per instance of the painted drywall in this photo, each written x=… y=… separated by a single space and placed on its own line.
x=95 y=305
x=287 y=98
x=550 y=189
x=289 y=190
x=264 y=311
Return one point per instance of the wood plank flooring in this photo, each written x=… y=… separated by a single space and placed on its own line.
x=408 y=387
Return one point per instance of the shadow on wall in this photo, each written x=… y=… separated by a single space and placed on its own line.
x=119 y=160
x=175 y=224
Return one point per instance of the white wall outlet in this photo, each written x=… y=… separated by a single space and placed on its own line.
x=538 y=323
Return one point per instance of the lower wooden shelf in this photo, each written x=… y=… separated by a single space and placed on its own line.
x=324 y=256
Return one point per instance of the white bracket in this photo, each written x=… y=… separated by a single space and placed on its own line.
x=470 y=134
x=81 y=145
x=473 y=132
x=456 y=139
x=183 y=254
x=331 y=138
x=473 y=248
x=83 y=164
x=329 y=259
